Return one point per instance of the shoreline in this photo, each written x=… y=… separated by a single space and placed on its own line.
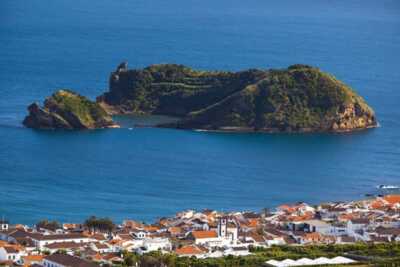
x=262 y=131
x=235 y=129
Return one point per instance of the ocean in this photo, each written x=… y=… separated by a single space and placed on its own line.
x=146 y=173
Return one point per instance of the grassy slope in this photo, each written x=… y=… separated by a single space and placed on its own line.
x=300 y=97
x=87 y=111
x=174 y=89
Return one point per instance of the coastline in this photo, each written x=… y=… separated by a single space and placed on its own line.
x=234 y=129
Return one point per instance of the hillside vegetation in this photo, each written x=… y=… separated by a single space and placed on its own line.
x=300 y=98
x=68 y=110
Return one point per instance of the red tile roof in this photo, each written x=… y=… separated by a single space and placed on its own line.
x=392 y=199
x=65 y=245
x=204 y=234
x=189 y=250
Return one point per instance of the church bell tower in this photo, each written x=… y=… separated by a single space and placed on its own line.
x=222 y=227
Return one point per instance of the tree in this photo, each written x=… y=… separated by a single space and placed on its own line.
x=49 y=225
x=130 y=259
x=95 y=224
x=150 y=261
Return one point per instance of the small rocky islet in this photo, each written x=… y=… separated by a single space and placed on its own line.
x=300 y=98
x=67 y=110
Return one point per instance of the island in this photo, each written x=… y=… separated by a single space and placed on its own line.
x=66 y=109
x=299 y=99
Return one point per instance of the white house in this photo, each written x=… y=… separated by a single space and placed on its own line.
x=154 y=244
x=338 y=229
x=3 y=225
x=355 y=225
x=42 y=240
x=271 y=240
x=318 y=226
x=10 y=254
x=157 y=243
x=237 y=251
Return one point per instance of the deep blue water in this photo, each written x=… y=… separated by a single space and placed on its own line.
x=146 y=173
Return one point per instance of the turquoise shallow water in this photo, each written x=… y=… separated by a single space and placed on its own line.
x=146 y=173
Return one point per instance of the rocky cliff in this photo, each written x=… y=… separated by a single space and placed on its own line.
x=300 y=98
x=67 y=110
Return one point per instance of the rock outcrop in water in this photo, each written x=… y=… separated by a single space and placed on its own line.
x=298 y=99
x=67 y=110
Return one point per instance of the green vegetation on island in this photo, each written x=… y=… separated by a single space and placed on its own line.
x=67 y=110
x=171 y=89
x=300 y=98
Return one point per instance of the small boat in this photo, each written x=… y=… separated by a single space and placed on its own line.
x=388 y=187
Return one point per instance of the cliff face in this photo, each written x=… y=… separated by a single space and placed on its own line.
x=298 y=99
x=67 y=110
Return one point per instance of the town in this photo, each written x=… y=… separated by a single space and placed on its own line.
x=203 y=234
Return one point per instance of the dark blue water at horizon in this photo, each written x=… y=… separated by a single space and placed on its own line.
x=146 y=173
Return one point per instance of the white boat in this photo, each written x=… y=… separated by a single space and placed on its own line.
x=388 y=187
